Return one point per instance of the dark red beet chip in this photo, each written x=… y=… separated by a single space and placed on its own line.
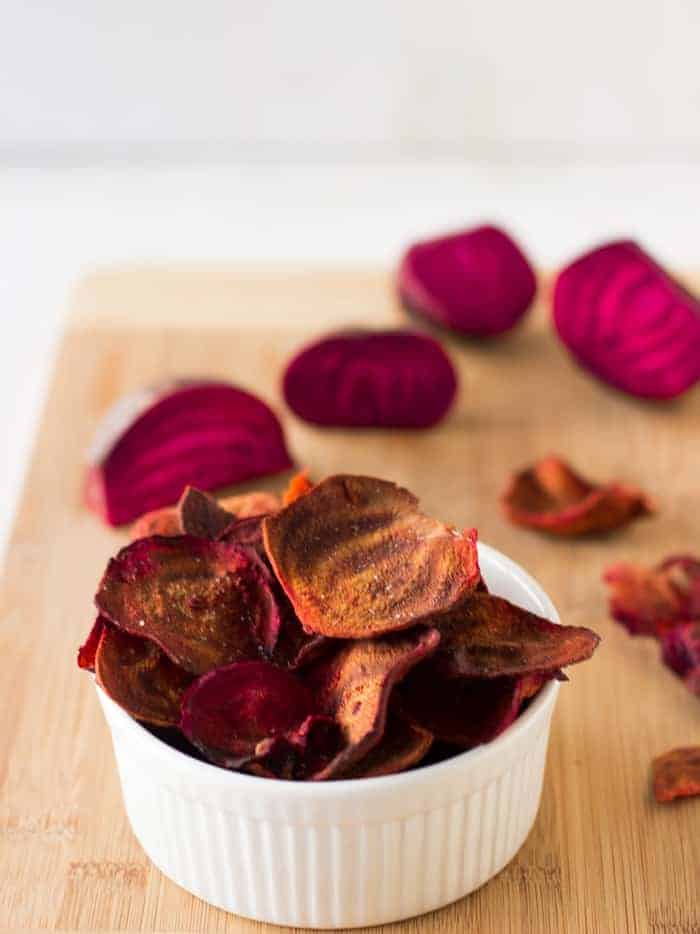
x=299 y=753
x=403 y=745
x=680 y=648
x=139 y=677
x=489 y=637
x=154 y=443
x=227 y=712
x=357 y=558
x=365 y=379
x=204 y=603
x=649 y=601
x=88 y=650
x=629 y=322
x=354 y=685
x=676 y=774
x=551 y=497
x=477 y=282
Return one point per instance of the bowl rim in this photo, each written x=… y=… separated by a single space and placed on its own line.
x=525 y=721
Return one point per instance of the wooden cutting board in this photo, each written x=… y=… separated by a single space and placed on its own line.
x=602 y=856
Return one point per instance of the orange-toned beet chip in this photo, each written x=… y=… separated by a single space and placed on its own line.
x=255 y=503
x=357 y=558
x=139 y=677
x=676 y=774
x=403 y=745
x=200 y=514
x=551 y=497
x=299 y=485
x=353 y=686
x=164 y=521
x=489 y=637
x=228 y=712
x=88 y=650
x=649 y=601
x=205 y=603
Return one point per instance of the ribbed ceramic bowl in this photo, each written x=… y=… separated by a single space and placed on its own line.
x=347 y=853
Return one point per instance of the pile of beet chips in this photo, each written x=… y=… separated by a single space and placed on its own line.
x=342 y=635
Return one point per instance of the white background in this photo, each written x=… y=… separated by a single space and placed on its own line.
x=321 y=131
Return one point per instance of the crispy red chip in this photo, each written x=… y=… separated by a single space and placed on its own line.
x=403 y=745
x=255 y=503
x=88 y=650
x=164 y=521
x=357 y=558
x=246 y=532
x=465 y=711
x=676 y=774
x=227 y=712
x=139 y=677
x=551 y=497
x=354 y=686
x=205 y=603
x=489 y=637
x=299 y=753
x=299 y=485
x=680 y=649
x=648 y=601
x=200 y=514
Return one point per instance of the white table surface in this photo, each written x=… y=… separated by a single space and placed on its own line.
x=56 y=223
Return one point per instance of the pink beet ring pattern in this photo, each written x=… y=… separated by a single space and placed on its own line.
x=627 y=321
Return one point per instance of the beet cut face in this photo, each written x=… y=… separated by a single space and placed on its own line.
x=489 y=637
x=676 y=774
x=152 y=444
x=204 y=603
x=477 y=282
x=357 y=558
x=139 y=677
x=88 y=650
x=371 y=379
x=354 y=686
x=627 y=321
x=551 y=497
x=649 y=601
x=228 y=712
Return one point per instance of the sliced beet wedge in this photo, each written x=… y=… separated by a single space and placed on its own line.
x=357 y=558
x=371 y=379
x=139 y=677
x=489 y=637
x=629 y=322
x=204 y=603
x=551 y=497
x=649 y=601
x=228 y=712
x=88 y=650
x=477 y=282
x=155 y=442
x=403 y=745
x=354 y=685
x=676 y=774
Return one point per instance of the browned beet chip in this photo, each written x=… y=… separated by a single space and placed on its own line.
x=246 y=532
x=354 y=686
x=200 y=514
x=490 y=637
x=299 y=753
x=403 y=745
x=88 y=650
x=551 y=497
x=676 y=774
x=649 y=601
x=226 y=713
x=205 y=603
x=139 y=677
x=357 y=558
x=164 y=521
x=299 y=485
x=465 y=711
x=255 y=503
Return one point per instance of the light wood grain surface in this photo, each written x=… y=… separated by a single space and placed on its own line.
x=602 y=856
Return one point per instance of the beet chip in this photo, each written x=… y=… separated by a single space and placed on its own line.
x=88 y=650
x=403 y=745
x=247 y=533
x=354 y=686
x=553 y=498
x=357 y=558
x=490 y=637
x=299 y=485
x=204 y=603
x=139 y=677
x=680 y=650
x=256 y=503
x=227 y=712
x=676 y=774
x=298 y=754
x=200 y=514
x=465 y=712
x=164 y=521
x=648 y=601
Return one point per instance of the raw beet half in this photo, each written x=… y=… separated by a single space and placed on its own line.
x=629 y=322
x=154 y=443
x=363 y=379
x=477 y=282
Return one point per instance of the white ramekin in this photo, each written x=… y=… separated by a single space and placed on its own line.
x=347 y=853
